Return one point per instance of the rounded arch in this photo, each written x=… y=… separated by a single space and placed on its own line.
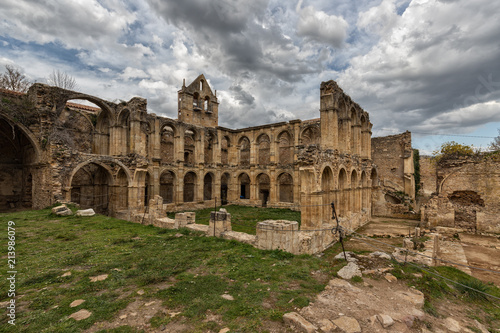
x=190 y=137
x=263 y=182
x=190 y=180
x=225 y=144
x=167 y=143
x=310 y=135
x=19 y=153
x=244 y=183
x=244 y=148
x=168 y=185
x=102 y=162
x=209 y=144
x=285 y=187
x=25 y=132
x=264 y=149
x=354 y=179
x=225 y=182
x=208 y=185
x=103 y=105
x=285 y=144
x=342 y=179
x=91 y=186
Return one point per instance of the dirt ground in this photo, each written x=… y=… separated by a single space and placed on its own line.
x=477 y=250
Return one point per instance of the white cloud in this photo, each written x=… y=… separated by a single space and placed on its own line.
x=321 y=27
x=133 y=73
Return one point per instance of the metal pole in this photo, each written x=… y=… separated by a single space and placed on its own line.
x=215 y=214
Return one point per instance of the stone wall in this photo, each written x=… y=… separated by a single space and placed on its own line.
x=393 y=157
x=467 y=194
x=115 y=157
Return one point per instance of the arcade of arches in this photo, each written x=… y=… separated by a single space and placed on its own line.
x=123 y=155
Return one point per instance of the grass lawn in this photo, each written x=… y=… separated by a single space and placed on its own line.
x=183 y=272
x=186 y=271
x=244 y=219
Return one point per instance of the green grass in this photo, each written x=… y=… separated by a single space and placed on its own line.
x=194 y=271
x=199 y=269
x=457 y=289
x=244 y=219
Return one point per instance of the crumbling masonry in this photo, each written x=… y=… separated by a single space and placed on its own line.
x=115 y=157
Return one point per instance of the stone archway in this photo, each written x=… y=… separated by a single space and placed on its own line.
x=224 y=188
x=189 y=187
x=167 y=186
x=90 y=188
x=18 y=177
x=264 y=183
x=244 y=182
x=285 y=187
x=208 y=181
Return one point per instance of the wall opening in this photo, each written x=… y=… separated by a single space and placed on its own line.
x=310 y=136
x=167 y=186
x=208 y=186
x=244 y=151
x=224 y=187
x=167 y=141
x=285 y=187
x=264 y=188
x=244 y=182
x=285 y=148
x=189 y=187
x=189 y=148
x=264 y=144
x=121 y=190
x=17 y=154
x=90 y=188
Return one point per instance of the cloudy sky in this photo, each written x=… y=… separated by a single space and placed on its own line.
x=428 y=66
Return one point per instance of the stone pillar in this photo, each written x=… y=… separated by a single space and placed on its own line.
x=280 y=234
x=310 y=200
x=134 y=134
x=219 y=223
x=179 y=144
x=356 y=143
x=329 y=129
x=155 y=140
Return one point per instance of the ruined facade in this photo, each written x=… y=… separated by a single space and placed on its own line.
x=393 y=156
x=115 y=157
x=466 y=193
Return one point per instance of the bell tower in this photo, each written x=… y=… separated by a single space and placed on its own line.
x=197 y=104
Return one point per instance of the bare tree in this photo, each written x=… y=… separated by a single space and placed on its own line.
x=14 y=79
x=62 y=80
x=495 y=144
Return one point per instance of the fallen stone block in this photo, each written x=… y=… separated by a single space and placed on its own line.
x=385 y=320
x=347 y=324
x=85 y=212
x=62 y=210
x=350 y=270
x=297 y=321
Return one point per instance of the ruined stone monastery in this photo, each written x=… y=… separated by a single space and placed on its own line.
x=115 y=157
